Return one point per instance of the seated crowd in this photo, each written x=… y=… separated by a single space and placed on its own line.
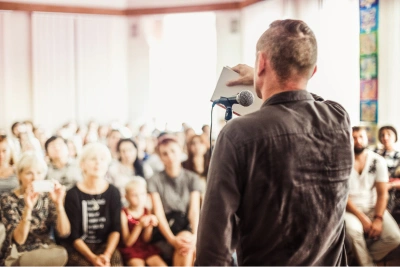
x=107 y=205
x=123 y=199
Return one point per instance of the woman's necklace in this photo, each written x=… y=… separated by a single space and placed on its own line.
x=95 y=199
x=95 y=202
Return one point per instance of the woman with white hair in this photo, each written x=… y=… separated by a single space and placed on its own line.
x=29 y=214
x=93 y=207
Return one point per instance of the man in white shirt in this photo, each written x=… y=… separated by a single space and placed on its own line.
x=371 y=229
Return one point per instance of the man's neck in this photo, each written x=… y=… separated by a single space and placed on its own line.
x=362 y=155
x=59 y=163
x=276 y=87
x=173 y=171
x=360 y=161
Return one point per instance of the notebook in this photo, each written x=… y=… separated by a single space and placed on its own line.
x=222 y=90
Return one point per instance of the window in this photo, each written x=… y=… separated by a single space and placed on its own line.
x=183 y=69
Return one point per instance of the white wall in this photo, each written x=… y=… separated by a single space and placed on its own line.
x=101 y=65
x=15 y=71
x=229 y=42
x=138 y=71
x=389 y=63
x=143 y=32
x=103 y=71
x=53 y=65
x=336 y=26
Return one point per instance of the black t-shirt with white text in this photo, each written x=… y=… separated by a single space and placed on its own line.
x=93 y=217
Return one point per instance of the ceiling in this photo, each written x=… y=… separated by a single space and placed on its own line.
x=124 y=4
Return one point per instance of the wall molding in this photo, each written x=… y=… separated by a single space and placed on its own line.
x=60 y=9
x=15 y=6
x=182 y=9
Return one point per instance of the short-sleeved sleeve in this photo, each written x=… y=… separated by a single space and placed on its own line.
x=195 y=183
x=73 y=211
x=152 y=184
x=382 y=173
x=115 y=213
x=9 y=213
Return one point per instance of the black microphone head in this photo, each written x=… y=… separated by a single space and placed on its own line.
x=245 y=98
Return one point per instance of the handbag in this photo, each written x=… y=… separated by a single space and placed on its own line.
x=177 y=222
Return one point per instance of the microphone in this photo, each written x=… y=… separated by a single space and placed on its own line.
x=244 y=98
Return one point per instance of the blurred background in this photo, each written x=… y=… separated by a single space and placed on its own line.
x=156 y=63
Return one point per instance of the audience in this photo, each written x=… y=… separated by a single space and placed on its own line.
x=73 y=148
x=8 y=179
x=112 y=140
x=16 y=130
x=137 y=227
x=41 y=136
x=127 y=166
x=175 y=194
x=29 y=217
x=198 y=157
x=94 y=209
x=206 y=134
x=102 y=134
x=61 y=167
x=93 y=224
x=370 y=228
x=388 y=137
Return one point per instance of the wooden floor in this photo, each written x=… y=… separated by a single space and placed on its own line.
x=392 y=259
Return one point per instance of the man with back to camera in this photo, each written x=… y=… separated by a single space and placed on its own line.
x=367 y=220
x=278 y=181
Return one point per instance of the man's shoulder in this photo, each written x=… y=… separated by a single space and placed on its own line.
x=376 y=157
x=157 y=177
x=374 y=154
x=190 y=174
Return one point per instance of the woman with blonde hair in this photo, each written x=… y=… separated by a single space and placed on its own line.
x=29 y=214
x=93 y=207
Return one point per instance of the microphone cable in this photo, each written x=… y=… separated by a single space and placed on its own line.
x=212 y=108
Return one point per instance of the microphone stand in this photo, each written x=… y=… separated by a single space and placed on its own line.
x=228 y=113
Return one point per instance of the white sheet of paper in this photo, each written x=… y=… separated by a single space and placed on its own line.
x=222 y=89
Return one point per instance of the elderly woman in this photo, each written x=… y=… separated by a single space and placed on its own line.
x=175 y=194
x=29 y=215
x=94 y=209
